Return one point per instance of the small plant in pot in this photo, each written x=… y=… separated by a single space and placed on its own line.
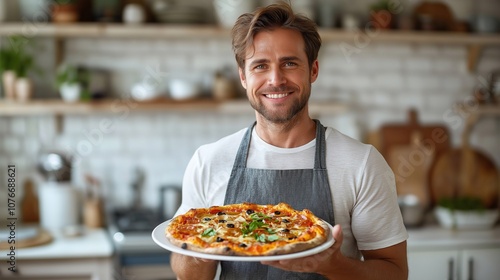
x=15 y=65
x=70 y=81
x=381 y=14
x=464 y=212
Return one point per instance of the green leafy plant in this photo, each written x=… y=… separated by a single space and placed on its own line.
x=381 y=5
x=13 y=57
x=70 y=74
x=462 y=203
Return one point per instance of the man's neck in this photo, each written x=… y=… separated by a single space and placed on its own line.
x=295 y=133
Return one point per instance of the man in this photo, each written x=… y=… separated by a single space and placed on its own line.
x=288 y=157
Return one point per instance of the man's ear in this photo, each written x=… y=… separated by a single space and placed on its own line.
x=314 y=71
x=242 y=77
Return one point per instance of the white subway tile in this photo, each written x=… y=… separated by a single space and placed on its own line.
x=31 y=146
x=429 y=50
x=12 y=145
x=418 y=64
x=446 y=65
x=403 y=50
x=18 y=126
x=452 y=50
x=451 y=83
x=388 y=81
x=423 y=82
x=4 y=125
x=411 y=99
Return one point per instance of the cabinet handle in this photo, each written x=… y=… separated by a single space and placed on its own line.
x=450 y=269
x=471 y=269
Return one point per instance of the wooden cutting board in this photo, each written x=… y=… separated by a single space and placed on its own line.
x=42 y=237
x=434 y=136
x=410 y=149
x=465 y=172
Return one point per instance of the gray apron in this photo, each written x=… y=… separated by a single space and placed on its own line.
x=301 y=188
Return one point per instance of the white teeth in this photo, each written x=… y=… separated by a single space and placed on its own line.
x=279 y=95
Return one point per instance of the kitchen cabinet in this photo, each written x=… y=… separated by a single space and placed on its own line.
x=469 y=264
x=68 y=269
x=437 y=253
x=89 y=257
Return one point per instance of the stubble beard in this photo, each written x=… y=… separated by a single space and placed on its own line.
x=278 y=115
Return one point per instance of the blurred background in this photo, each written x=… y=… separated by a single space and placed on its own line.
x=102 y=104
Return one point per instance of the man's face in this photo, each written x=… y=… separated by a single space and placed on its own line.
x=277 y=76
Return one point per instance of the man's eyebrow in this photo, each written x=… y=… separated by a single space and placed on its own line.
x=289 y=58
x=259 y=61
x=285 y=58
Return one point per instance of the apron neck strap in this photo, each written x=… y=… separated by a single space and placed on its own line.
x=320 y=154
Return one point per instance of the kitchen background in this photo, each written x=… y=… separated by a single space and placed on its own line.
x=372 y=83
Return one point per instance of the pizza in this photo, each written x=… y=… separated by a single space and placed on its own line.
x=247 y=229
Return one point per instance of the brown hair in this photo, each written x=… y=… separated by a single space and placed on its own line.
x=278 y=15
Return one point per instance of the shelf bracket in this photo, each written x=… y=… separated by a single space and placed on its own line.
x=474 y=52
x=59 y=51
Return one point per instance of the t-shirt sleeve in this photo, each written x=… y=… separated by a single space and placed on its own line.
x=193 y=195
x=376 y=219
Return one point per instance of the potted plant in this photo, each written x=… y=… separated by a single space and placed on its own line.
x=70 y=81
x=465 y=212
x=7 y=62
x=381 y=15
x=65 y=11
x=15 y=64
x=24 y=85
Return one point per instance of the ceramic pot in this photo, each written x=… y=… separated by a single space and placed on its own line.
x=24 y=89
x=64 y=13
x=134 y=14
x=70 y=92
x=228 y=11
x=9 y=84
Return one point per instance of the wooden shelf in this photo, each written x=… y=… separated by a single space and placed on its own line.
x=158 y=31
x=120 y=106
x=474 y=42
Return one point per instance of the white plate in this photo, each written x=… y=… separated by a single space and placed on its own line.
x=160 y=239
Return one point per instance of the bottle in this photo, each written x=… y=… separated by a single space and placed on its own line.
x=29 y=204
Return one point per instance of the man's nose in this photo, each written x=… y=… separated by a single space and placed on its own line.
x=276 y=77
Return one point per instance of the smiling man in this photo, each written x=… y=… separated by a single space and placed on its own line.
x=286 y=156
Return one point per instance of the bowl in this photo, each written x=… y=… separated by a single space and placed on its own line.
x=181 y=89
x=461 y=219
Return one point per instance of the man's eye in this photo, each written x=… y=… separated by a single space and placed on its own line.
x=261 y=66
x=289 y=63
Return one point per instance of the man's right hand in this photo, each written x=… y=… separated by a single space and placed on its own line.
x=186 y=267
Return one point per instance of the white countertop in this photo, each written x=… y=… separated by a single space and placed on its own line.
x=92 y=243
x=439 y=238
x=96 y=243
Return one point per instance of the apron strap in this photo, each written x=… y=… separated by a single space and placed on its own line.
x=320 y=154
x=242 y=155
x=320 y=157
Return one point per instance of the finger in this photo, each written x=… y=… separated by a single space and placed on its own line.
x=338 y=236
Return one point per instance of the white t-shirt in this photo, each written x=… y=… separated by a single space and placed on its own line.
x=362 y=184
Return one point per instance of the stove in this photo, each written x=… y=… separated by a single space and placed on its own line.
x=137 y=256
x=131 y=229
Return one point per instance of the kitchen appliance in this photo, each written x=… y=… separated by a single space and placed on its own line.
x=59 y=206
x=59 y=200
x=130 y=229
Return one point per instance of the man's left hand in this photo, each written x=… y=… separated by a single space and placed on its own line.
x=318 y=263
